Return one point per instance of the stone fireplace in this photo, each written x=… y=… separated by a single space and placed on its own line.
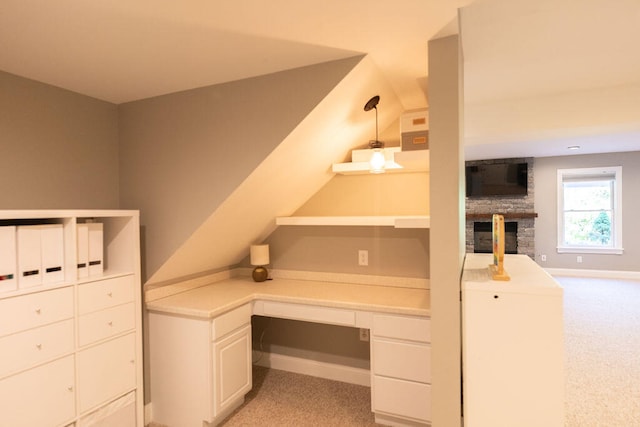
x=518 y=211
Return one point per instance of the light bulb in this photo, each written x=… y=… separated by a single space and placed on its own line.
x=377 y=161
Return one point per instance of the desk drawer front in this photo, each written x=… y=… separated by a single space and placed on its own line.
x=403 y=360
x=401 y=327
x=230 y=321
x=25 y=349
x=105 y=323
x=102 y=294
x=403 y=398
x=30 y=311
x=335 y=316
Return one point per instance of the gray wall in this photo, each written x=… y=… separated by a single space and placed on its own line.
x=182 y=154
x=546 y=206
x=59 y=149
x=392 y=252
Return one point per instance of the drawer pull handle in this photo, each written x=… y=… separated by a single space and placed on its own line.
x=132 y=361
x=70 y=388
x=110 y=323
x=109 y=294
x=38 y=311
x=39 y=346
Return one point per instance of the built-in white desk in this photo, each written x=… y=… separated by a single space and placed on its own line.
x=200 y=344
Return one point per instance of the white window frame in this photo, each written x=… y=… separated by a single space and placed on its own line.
x=616 y=246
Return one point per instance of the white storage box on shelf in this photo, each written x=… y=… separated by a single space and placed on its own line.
x=71 y=347
x=40 y=254
x=414 y=130
x=8 y=259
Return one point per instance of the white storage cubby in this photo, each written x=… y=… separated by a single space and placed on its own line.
x=70 y=342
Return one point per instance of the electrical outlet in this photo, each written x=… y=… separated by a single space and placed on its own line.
x=363 y=257
x=579 y=259
x=543 y=258
x=364 y=334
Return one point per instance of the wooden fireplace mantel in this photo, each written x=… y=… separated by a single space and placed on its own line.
x=510 y=215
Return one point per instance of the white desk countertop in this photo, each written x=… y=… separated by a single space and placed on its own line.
x=214 y=299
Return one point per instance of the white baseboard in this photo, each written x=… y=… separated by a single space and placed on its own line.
x=605 y=274
x=330 y=371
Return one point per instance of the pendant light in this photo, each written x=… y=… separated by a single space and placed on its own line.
x=377 y=161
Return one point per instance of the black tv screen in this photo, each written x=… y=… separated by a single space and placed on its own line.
x=496 y=179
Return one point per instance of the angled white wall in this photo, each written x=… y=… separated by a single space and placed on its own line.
x=211 y=168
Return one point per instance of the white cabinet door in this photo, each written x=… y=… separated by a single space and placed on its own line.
x=232 y=371
x=106 y=371
x=43 y=396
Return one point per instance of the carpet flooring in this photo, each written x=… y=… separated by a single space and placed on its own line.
x=602 y=347
x=281 y=398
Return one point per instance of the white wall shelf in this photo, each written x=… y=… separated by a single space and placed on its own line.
x=401 y=162
x=416 y=221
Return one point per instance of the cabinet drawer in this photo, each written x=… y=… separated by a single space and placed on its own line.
x=30 y=311
x=105 y=323
x=402 y=398
x=43 y=396
x=102 y=294
x=106 y=371
x=402 y=327
x=25 y=349
x=309 y=313
x=230 y=321
x=404 y=360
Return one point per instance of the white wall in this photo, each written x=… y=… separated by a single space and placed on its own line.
x=546 y=205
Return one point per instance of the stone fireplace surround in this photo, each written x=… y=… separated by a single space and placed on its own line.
x=514 y=208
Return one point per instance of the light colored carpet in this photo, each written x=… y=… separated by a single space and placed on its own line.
x=281 y=398
x=602 y=347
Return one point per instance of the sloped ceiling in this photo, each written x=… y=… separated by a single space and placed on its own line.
x=295 y=170
x=121 y=50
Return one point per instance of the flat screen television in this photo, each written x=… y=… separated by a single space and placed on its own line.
x=496 y=179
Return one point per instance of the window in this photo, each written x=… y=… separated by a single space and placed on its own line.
x=589 y=210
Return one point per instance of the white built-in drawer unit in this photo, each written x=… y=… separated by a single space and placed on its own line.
x=401 y=369
x=36 y=309
x=29 y=348
x=106 y=323
x=94 y=296
x=70 y=343
x=42 y=396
